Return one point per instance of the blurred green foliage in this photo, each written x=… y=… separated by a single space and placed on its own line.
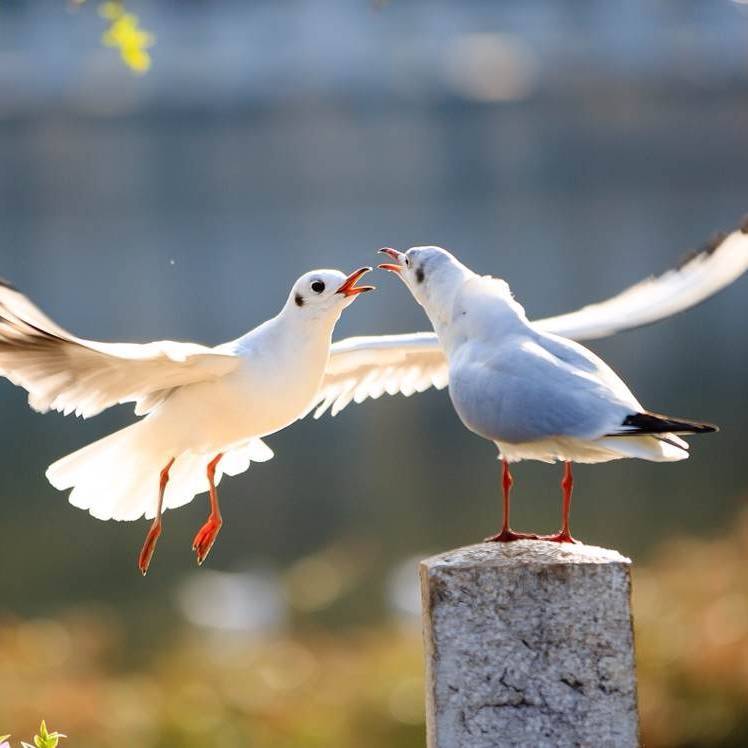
x=362 y=686
x=691 y=615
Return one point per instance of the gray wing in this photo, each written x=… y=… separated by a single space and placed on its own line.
x=536 y=387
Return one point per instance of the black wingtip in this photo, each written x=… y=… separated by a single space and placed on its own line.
x=653 y=423
x=711 y=246
x=713 y=243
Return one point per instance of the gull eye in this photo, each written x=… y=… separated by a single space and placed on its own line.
x=318 y=286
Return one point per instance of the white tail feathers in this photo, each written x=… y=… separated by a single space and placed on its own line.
x=117 y=477
x=660 y=448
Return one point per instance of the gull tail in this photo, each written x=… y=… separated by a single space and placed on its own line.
x=654 y=423
x=650 y=436
x=117 y=477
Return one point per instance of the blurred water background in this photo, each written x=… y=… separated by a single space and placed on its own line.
x=571 y=148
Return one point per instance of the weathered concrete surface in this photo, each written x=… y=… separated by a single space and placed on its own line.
x=529 y=644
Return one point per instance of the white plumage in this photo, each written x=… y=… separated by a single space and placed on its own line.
x=199 y=401
x=369 y=366
x=206 y=409
x=534 y=394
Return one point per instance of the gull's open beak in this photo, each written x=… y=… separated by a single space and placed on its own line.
x=395 y=255
x=349 y=287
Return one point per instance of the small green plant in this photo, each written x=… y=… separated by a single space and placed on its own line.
x=44 y=739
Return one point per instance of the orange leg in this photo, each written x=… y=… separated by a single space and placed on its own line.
x=567 y=486
x=507 y=534
x=146 y=554
x=208 y=533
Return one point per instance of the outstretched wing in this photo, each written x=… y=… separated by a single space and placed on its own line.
x=369 y=366
x=723 y=260
x=69 y=374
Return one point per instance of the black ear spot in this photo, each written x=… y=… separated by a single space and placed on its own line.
x=419 y=274
x=299 y=299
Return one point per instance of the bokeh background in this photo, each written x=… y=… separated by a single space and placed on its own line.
x=571 y=148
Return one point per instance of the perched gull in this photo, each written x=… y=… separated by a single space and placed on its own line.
x=369 y=366
x=205 y=409
x=536 y=395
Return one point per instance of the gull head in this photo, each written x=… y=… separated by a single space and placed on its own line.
x=322 y=293
x=431 y=274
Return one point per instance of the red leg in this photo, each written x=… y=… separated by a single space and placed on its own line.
x=507 y=534
x=208 y=533
x=146 y=554
x=567 y=486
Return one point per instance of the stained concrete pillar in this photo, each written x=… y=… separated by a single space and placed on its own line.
x=529 y=644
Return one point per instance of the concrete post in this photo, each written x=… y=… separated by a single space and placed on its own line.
x=529 y=644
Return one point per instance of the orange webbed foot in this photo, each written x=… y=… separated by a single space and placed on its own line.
x=509 y=536
x=205 y=538
x=559 y=537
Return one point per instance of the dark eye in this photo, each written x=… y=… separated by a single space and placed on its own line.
x=318 y=286
x=407 y=261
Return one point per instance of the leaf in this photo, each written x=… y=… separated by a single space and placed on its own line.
x=45 y=739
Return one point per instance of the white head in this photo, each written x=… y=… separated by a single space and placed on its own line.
x=431 y=274
x=325 y=293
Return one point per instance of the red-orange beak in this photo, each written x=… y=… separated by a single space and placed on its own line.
x=349 y=287
x=395 y=255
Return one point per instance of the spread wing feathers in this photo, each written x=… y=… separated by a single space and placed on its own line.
x=69 y=374
x=365 y=367
x=654 y=423
x=699 y=276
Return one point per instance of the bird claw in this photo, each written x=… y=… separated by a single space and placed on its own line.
x=149 y=546
x=508 y=536
x=559 y=537
x=205 y=538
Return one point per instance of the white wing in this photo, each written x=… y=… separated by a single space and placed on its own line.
x=369 y=366
x=68 y=374
x=697 y=278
